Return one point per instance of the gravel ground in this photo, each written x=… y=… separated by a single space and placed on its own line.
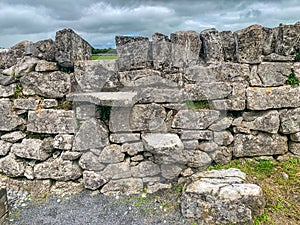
x=87 y=207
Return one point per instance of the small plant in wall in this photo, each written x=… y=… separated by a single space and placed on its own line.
x=297 y=57
x=292 y=79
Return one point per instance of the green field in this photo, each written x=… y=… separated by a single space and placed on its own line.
x=104 y=57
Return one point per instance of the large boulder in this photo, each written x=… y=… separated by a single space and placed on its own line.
x=229 y=45
x=212 y=46
x=44 y=49
x=161 y=50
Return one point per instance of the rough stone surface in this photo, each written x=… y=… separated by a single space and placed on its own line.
x=63 y=141
x=44 y=49
x=119 y=120
x=223 y=138
x=195 y=119
x=57 y=169
x=222 y=197
x=13 y=136
x=212 y=46
x=51 y=121
x=23 y=67
x=208 y=91
x=229 y=45
x=92 y=134
x=70 y=47
x=295 y=137
x=222 y=124
x=69 y=155
x=84 y=110
x=273 y=97
x=161 y=50
x=222 y=155
x=50 y=85
x=190 y=144
x=112 y=154
x=11 y=166
x=90 y=161
x=124 y=186
x=170 y=171
x=196 y=134
x=9 y=120
x=259 y=145
x=4 y=147
x=33 y=149
x=45 y=66
x=121 y=138
x=198 y=159
x=133 y=148
x=145 y=169
x=208 y=146
x=294 y=147
x=28 y=103
x=290 y=121
x=93 y=180
x=7 y=91
x=49 y=103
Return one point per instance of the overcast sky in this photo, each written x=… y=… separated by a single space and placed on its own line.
x=100 y=21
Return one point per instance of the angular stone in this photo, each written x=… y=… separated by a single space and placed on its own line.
x=249 y=44
x=65 y=189
x=212 y=46
x=33 y=149
x=57 y=169
x=63 y=141
x=44 y=49
x=28 y=104
x=150 y=117
x=4 y=147
x=294 y=147
x=222 y=155
x=161 y=50
x=290 y=121
x=84 y=110
x=195 y=119
x=259 y=145
x=145 y=169
x=93 y=180
x=13 y=136
x=162 y=95
x=152 y=188
x=112 y=154
x=208 y=146
x=222 y=124
x=49 y=103
x=90 y=161
x=133 y=148
x=229 y=45
x=117 y=171
x=198 y=159
x=119 y=120
x=6 y=80
x=69 y=155
x=121 y=138
x=208 y=91
x=294 y=137
x=191 y=144
x=170 y=171
x=273 y=97
x=7 y=91
x=196 y=134
x=133 y=52
x=287 y=40
x=51 y=121
x=50 y=85
x=223 y=138
x=23 y=67
x=11 y=166
x=45 y=66
x=87 y=74
x=70 y=47
x=92 y=134
x=124 y=186
x=9 y=120
x=186 y=47
x=137 y=158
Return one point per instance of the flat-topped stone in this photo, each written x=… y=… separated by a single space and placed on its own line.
x=105 y=98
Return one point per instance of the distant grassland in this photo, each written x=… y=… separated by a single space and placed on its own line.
x=104 y=57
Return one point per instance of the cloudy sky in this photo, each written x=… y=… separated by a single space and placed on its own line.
x=99 y=21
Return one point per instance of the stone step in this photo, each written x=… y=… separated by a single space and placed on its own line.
x=105 y=98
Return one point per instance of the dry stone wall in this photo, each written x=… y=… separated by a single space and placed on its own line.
x=166 y=109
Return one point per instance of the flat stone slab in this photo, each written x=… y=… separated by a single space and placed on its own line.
x=105 y=98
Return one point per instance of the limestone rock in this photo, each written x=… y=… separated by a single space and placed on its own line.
x=259 y=145
x=33 y=149
x=90 y=161
x=70 y=47
x=287 y=39
x=92 y=134
x=212 y=46
x=161 y=50
x=50 y=85
x=46 y=66
x=7 y=91
x=9 y=120
x=273 y=97
x=6 y=80
x=195 y=119
x=121 y=138
x=222 y=155
x=208 y=146
x=170 y=171
x=63 y=141
x=87 y=74
x=294 y=137
x=208 y=91
x=152 y=188
x=290 y=121
x=186 y=47
x=249 y=44
x=190 y=144
x=61 y=188
x=133 y=148
x=162 y=95
x=119 y=120
x=196 y=134
x=117 y=171
x=28 y=103
x=69 y=155
x=4 y=147
x=149 y=117
x=222 y=197
x=44 y=49
x=133 y=52
x=57 y=169
x=198 y=159
x=49 y=103
x=111 y=154
x=145 y=169
x=93 y=180
x=51 y=121
x=11 y=166
x=229 y=45
x=222 y=124
x=13 y=136
x=294 y=147
x=23 y=67
x=124 y=186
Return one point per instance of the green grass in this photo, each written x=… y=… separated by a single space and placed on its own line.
x=204 y=104
x=281 y=194
x=104 y=57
